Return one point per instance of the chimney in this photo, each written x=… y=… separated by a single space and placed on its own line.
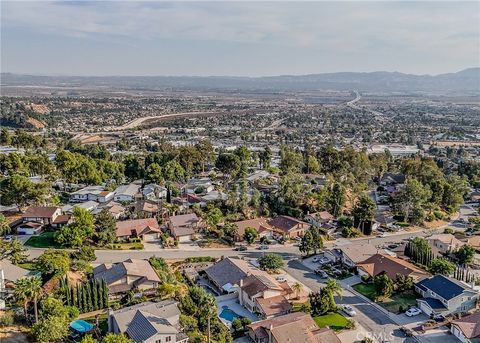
x=270 y=333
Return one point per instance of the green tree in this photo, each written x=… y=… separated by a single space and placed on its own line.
x=88 y=339
x=271 y=262
x=116 y=338
x=17 y=253
x=56 y=262
x=4 y=227
x=153 y=173
x=403 y=282
x=250 y=235
x=19 y=190
x=76 y=233
x=322 y=302
x=363 y=214
x=442 y=266
x=334 y=287
x=306 y=244
x=291 y=161
x=214 y=216
x=105 y=227
x=336 y=199
x=297 y=287
x=28 y=289
x=383 y=285
x=312 y=165
x=50 y=329
x=410 y=201
x=465 y=254
x=265 y=157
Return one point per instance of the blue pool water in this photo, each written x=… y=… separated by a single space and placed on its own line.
x=228 y=314
x=81 y=326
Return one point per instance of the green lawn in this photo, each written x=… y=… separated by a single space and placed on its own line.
x=367 y=290
x=334 y=321
x=392 y=304
x=45 y=240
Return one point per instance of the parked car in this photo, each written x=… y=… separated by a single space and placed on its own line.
x=407 y=332
x=241 y=248
x=392 y=246
x=413 y=312
x=281 y=278
x=8 y=238
x=349 y=310
x=439 y=318
x=263 y=247
x=382 y=235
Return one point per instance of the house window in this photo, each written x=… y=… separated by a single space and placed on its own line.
x=158 y=341
x=168 y=339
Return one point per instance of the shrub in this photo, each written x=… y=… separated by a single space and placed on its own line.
x=6 y=319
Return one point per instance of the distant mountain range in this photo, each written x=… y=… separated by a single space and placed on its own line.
x=467 y=80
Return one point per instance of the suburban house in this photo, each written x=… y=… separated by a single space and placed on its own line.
x=259 y=224
x=474 y=241
x=29 y=228
x=153 y=191
x=445 y=295
x=116 y=210
x=226 y=274
x=9 y=274
x=182 y=227
x=317 y=219
x=290 y=328
x=352 y=254
x=149 y=322
x=260 y=293
x=467 y=329
x=389 y=265
x=91 y=193
x=390 y=179
x=126 y=193
x=146 y=229
x=198 y=186
x=41 y=214
x=127 y=275
x=445 y=242
x=288 y=227
x=147 y=208
x=383 y=220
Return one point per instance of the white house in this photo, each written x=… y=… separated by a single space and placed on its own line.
x=126 y=193
x=91 y=193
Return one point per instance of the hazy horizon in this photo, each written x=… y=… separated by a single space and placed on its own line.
x=237 y=39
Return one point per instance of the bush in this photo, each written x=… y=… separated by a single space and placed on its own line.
x=365 y=278
x=6 y=319
x=200 y=259
x=439 y=214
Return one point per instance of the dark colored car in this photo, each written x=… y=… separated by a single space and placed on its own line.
x=241 y=248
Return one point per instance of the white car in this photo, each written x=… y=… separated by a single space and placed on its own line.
x=413 y=312
x=349 y=310
x=382 y=234
x=281 y=278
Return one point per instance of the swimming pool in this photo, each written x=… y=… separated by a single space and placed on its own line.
x=228 y=314
x=81 y=326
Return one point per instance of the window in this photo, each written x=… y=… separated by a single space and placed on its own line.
x=168 y=339
x=158 y=341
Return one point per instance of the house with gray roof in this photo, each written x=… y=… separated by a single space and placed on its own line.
x=127 y=193
x=444 y=295
x=149 y=322
x=127 y=275
x=227 y=273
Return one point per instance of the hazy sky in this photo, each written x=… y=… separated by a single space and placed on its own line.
x=237 y=38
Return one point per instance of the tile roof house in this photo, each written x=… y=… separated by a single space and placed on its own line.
x=467 y=329
x=291 y=328
x=147 y=229
x=9 y=274
x=260 y=293
x=124 y=276
x=182 y=227
x=445 y=242
x=445 y=295
x=389 y=265
x=226 y=274
x=259 y=224
x=319 y=218
x=288 y=227
x=149 y=322
x=147 y=208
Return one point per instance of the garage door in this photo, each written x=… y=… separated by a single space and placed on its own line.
x=149 y=237
x=425 y=308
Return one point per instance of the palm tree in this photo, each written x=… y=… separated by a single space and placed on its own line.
x=29 y=289
x=334 y=286
x=297 y=288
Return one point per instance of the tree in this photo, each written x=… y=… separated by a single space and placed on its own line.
x=228 y=164
x=116 y=338
x=153 y=173
x=4 y=227
x=270 y=262
x=51 y=329
x=442 y=266
x=334 y=287
x=336 y=199
x=383 y=285
x=411 y=199
x=297 y=287
x=322 y=302
x=292 y=189
x=29 y=289
x=403 y=282
x=306 y=244
x=312 y=165
x=363 y=213
x=250 y=235
x=56 y=262
x=465 y=254
x=291 y=161
x=17 y=252
x=75 y=234
x=19 y=190
x=265 y=157
x=214 y=216
x=88 y=339
x=105 y=227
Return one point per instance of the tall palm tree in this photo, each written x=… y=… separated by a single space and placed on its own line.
x=29 y=289
x=297 y=287
x=334 y=286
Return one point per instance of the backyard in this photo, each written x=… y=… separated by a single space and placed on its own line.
x=394 y=303
x=334 y=321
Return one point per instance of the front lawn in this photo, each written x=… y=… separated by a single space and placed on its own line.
x=393 y=304
x=44 y=240
x=334 y=321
